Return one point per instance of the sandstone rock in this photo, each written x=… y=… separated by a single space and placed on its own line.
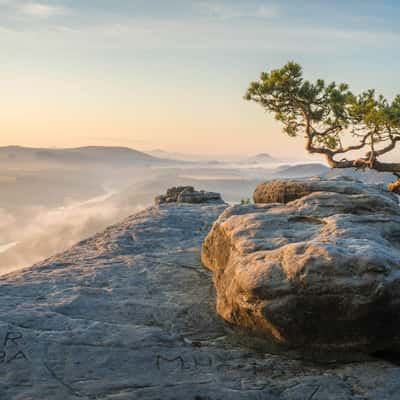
x=172 y=194
x=319 y=275
x=129 y=315
x=187 y=194
x=199 y=197
x=286 y=190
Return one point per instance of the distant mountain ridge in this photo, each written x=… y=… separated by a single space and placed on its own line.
x=300 y=170
x=104 y=154
x=159 y=153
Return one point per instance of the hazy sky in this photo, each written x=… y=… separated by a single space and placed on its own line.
x=171 y=74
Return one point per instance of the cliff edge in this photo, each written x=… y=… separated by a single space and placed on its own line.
x=130 y=314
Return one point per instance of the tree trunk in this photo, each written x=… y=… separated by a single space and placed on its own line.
x=394 y=168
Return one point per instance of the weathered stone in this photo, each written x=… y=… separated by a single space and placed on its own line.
x=286 y=190
x=129 y=314
x=187 y=194
x=176 y=191
x=320 y=275
x=199 y=197
x=280 y=191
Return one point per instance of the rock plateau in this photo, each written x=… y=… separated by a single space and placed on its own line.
x=129 y=314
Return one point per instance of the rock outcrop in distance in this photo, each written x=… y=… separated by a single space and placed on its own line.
x=129 y=314
x=187 y=194
x=319 y=275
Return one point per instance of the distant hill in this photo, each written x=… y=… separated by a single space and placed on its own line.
x=369 y=176
x=88 y=154
x=261 y=158
x=316 y=169
x=300 y=170
x=159 y=153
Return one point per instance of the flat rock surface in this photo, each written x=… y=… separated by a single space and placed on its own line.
x=129 y=314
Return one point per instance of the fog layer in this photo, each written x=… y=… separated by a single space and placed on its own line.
x=52 y=199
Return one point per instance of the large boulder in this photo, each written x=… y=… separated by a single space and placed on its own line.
x=319 y=275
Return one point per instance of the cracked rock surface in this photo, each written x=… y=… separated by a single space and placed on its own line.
x=129 y=314
x=319 y=275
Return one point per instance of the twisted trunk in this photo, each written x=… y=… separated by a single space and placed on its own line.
x=370 y=163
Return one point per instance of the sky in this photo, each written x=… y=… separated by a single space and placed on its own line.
x=171 y=75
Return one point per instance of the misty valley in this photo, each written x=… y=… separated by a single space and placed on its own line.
x=51 y=199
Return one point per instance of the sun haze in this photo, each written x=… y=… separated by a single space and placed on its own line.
x=172 y=75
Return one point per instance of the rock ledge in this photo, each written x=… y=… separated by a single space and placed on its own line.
x=129 y=315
